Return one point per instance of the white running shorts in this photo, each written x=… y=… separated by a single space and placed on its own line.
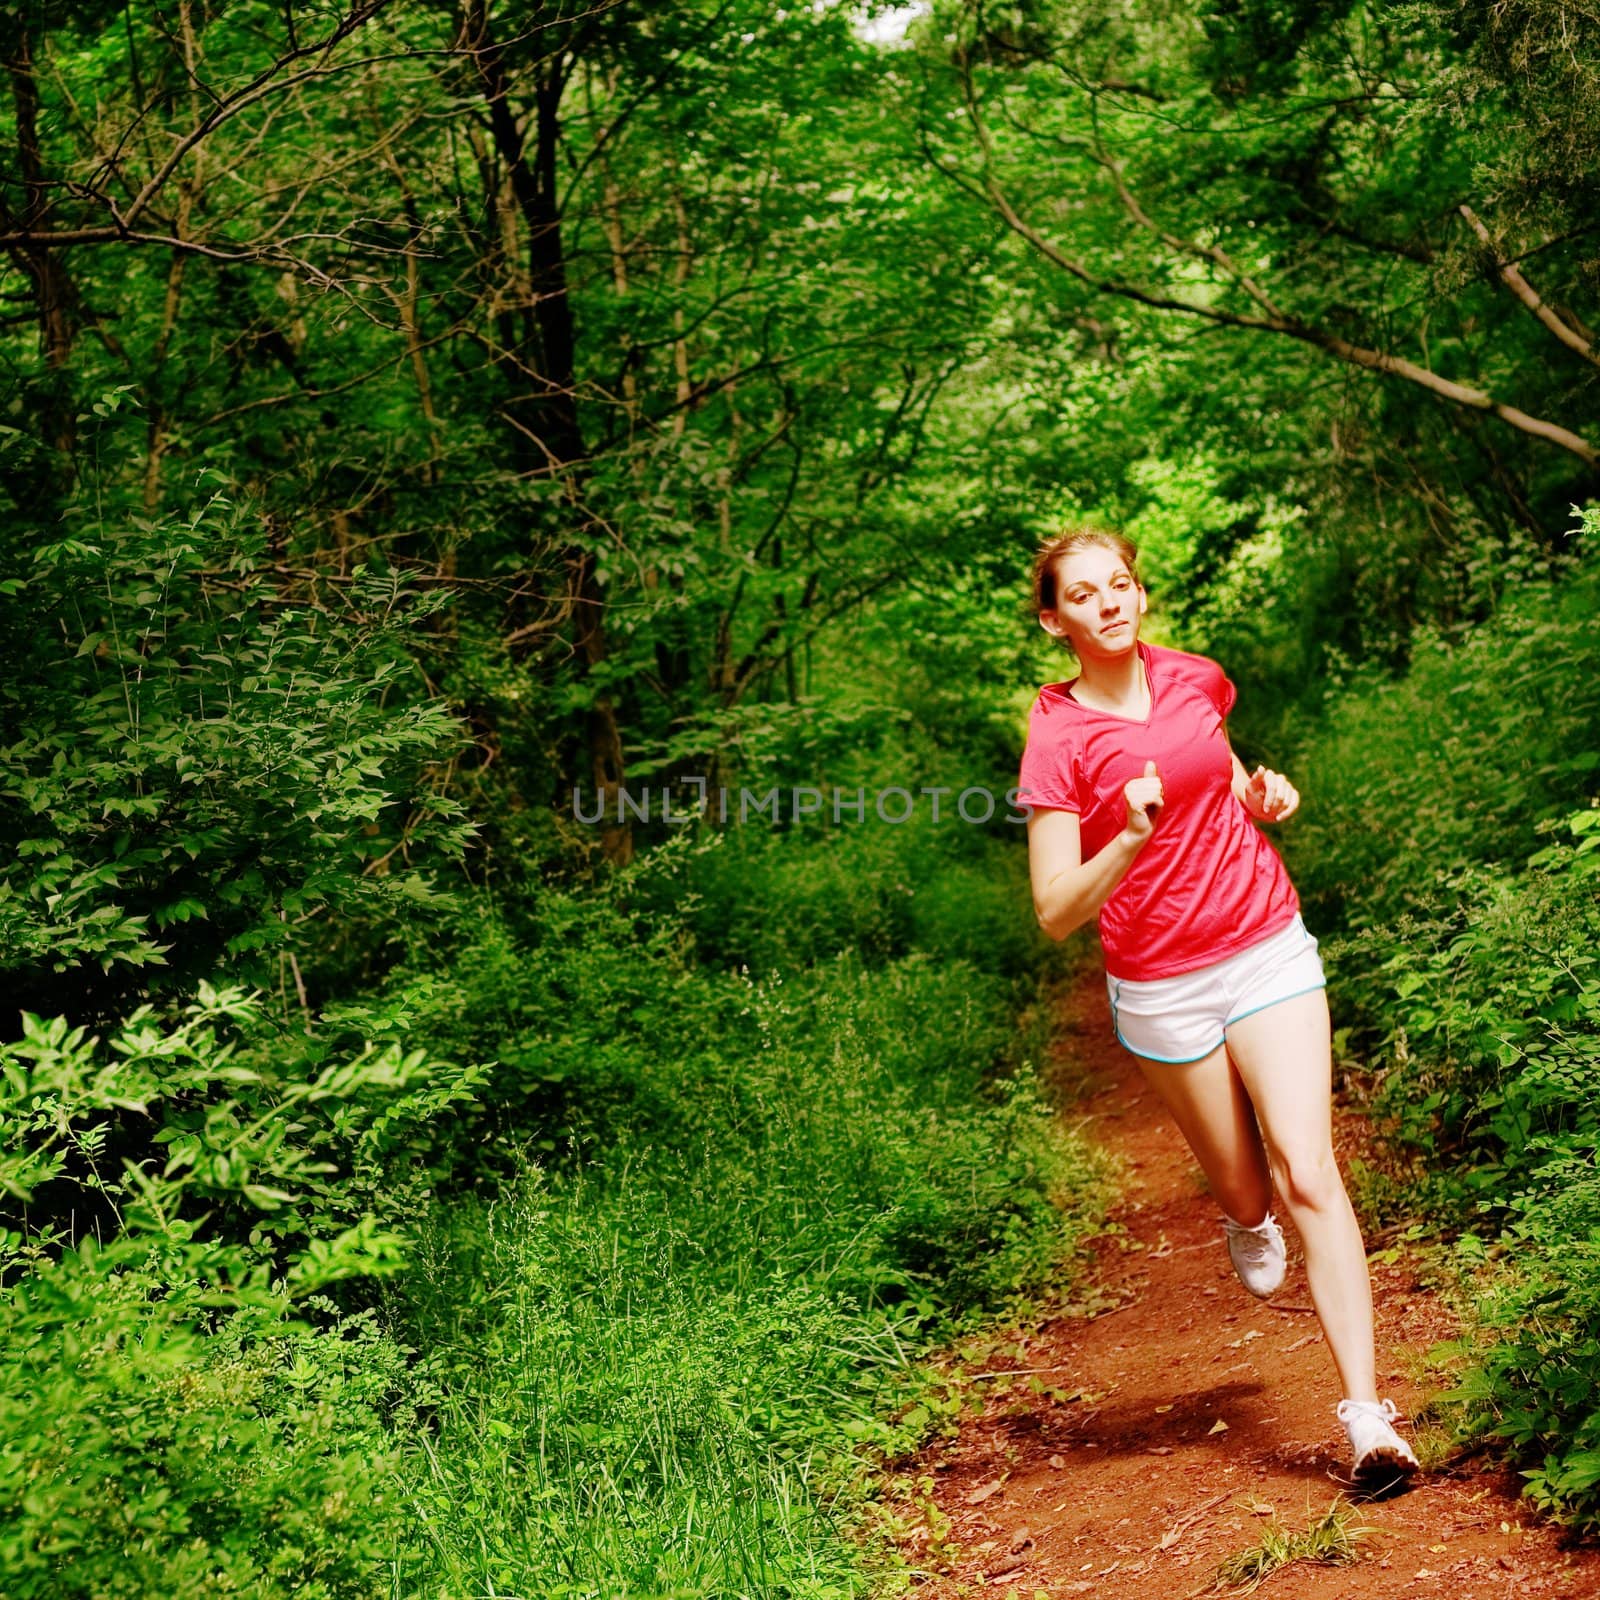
x=1185 y=1017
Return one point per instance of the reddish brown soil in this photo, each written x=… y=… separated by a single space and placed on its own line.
x=1114 y=1483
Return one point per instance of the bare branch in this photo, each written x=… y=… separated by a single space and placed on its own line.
x=1272 y=322
x=1212 y=253
x=264 y=83
x=1526 y=293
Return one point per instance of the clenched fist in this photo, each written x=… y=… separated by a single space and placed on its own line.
x=1269 y=796
x=1145 y=800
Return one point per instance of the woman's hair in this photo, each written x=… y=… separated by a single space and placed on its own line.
x=1083 y=537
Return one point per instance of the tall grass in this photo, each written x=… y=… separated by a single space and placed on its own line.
x=661 y=1363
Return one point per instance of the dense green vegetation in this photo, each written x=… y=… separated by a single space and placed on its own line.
x=427 y=426
x=636 y=1289
x=1457 y=837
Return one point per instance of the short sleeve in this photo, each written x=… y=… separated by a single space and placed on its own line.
x=1202 y=673
x=1221 y=689
x=1046 y=776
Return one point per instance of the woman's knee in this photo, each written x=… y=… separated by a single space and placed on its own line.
x=1309 y=1180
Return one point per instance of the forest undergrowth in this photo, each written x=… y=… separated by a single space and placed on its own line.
x=1451 y=849
x=584 y=1256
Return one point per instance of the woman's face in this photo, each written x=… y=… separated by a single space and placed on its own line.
x=1098 y=605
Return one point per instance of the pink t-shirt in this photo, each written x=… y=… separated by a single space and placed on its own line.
x=1207 y=884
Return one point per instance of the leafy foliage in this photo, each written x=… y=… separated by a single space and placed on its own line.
x=1471 y=963
x=717 y=1217
x=167 y=1128
x=665 y=1353
x=168 y=1427
x=198 y=765
x=1466 y=761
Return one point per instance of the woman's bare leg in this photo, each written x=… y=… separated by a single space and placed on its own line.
x=1284 y=1058
x=1209 y=1103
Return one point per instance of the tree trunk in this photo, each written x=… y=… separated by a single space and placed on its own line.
x=549 y=416
x=53 y=294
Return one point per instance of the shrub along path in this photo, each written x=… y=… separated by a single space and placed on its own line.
x=1173 y=1430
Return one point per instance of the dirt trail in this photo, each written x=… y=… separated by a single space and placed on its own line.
x=1118 y=1482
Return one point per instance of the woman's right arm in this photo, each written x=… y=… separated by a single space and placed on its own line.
x=1067 y=890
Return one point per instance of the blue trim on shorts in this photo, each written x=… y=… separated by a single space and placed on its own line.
x=1268 y=1004
x=1166 y=1061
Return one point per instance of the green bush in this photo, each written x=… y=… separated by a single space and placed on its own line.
x=1456 y=764
x=773 y=901
x=730 y=1208
x=1488 y=1013
x=184 y=1413
x=1526 y=1010
x=879 y=1083
x=168 y=1427
x=1537 y=1361
x=166 y=1127
x=627 y=1007
x=199 y=760
x=639 y=1288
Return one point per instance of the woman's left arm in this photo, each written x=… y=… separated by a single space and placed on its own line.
x=1267 y=796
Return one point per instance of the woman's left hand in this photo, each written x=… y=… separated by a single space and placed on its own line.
x=1269 y=796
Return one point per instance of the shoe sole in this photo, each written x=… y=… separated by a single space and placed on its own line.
x=1386 y=1465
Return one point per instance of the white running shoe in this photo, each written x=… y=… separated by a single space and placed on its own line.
x=1257 y=1253
x=1382 y=1456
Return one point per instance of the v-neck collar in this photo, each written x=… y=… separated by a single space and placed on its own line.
x=1117 y=716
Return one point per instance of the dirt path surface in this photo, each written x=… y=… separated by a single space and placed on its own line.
x=1103 y=1467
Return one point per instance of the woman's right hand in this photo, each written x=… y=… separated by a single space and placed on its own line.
x=1144 y=803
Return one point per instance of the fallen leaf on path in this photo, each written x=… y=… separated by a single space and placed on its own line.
x=1300 y=1344
x=1245 y=1338
x=1058 y=1462
x=1219 y=1426
x=986 y=1491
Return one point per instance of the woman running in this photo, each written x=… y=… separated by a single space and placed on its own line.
x=1142 y=814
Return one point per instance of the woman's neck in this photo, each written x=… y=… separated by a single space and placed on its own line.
x=1117 y=685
